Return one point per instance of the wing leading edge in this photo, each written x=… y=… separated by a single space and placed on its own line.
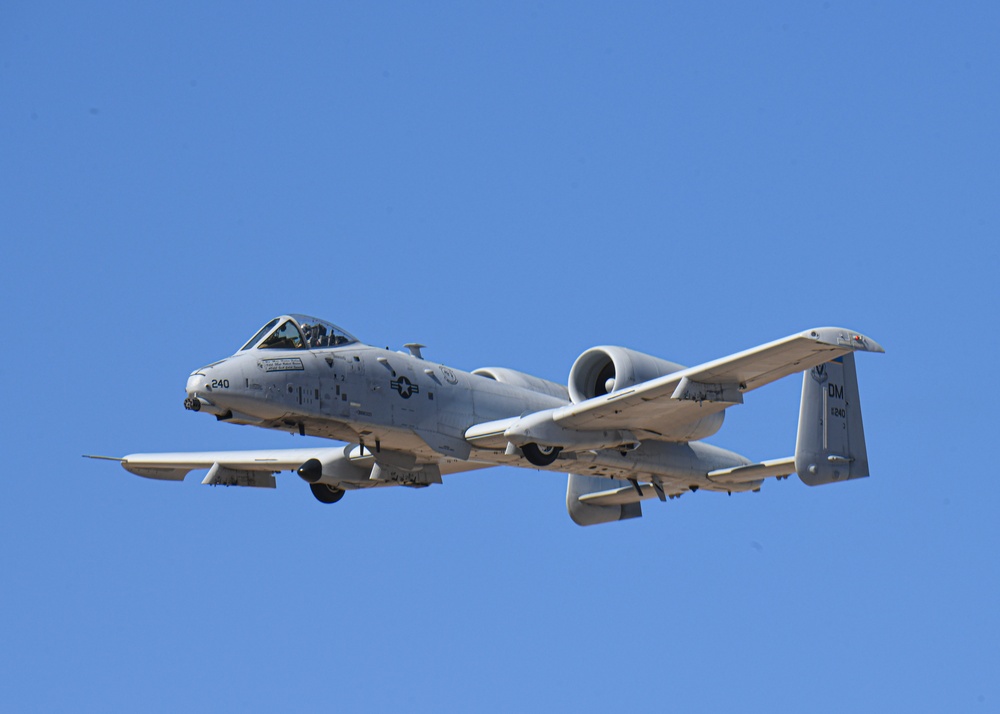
x=666 y=404
x=174 y=466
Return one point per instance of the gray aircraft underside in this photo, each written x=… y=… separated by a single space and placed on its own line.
x=626 y=428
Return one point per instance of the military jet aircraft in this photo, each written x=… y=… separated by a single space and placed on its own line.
x=628 y=427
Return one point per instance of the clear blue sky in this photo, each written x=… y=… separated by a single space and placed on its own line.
x=509 y=183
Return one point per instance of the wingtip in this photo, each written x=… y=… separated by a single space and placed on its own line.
x=842 y=337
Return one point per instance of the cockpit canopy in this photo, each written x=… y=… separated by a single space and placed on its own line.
x=298 y=332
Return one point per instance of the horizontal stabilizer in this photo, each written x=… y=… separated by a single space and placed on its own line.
x=619 y=496
x=754 y=472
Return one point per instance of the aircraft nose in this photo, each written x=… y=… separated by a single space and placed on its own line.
x=196 y=382
x=210 y=388
x=215 y=388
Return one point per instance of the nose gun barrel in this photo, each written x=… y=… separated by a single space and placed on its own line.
x=199 y=384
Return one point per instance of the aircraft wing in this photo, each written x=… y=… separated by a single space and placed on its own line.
x=665 y=405
x=257 y=467
x=254 y=465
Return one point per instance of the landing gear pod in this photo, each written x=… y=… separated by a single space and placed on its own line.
x=331 y=469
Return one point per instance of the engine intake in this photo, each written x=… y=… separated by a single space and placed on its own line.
x=605 y=370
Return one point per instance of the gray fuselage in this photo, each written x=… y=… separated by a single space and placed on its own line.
x=399 y=402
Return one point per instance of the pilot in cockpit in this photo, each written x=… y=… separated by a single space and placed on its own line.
x=285 y=337
x=308 y=333
x=315 y=335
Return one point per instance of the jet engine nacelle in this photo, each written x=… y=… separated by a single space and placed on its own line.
x=605 y=370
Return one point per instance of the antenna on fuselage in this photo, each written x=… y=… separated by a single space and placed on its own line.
x=414 y=348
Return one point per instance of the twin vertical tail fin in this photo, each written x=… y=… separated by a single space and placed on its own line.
x=830 y=446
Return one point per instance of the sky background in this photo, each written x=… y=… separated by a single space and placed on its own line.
x=510 y=184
